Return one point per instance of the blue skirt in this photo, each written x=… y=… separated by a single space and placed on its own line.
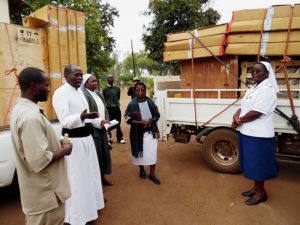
x=257 y=157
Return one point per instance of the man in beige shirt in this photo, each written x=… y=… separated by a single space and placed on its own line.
x=39 y=155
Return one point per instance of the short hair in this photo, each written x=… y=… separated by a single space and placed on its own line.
x=30 y=75
x=140 y=83
x=69 y=69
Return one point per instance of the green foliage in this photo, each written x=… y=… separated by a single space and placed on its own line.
x=99 y=21
x=125 y=80
x=142 y=61
x=171 y=16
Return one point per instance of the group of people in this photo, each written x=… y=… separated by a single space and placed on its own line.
x=61 y=182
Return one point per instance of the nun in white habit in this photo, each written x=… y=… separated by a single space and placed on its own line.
x=83 y=169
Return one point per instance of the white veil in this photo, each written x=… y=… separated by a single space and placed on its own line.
x=272 y=77
x=84 y=80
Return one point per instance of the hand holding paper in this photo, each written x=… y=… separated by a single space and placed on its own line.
x=111 y=125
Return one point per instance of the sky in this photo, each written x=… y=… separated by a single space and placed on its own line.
x=129 y=24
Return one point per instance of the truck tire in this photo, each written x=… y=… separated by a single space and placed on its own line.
x=220 y=150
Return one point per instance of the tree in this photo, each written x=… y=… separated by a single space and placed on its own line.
x=171 y=16
x=142 y=61
x=99 y=21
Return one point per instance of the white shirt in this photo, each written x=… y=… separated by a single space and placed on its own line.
x=260 y=98
x=69 y=103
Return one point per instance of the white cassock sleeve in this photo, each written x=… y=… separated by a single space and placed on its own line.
x=62 y=108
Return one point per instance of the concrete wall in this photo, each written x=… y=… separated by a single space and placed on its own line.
x=4 y=11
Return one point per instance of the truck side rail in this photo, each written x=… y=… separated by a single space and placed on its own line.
x=181 y=110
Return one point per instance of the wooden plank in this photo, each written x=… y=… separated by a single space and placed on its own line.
x=209 y=74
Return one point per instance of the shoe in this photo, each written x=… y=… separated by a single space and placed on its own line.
x=253 y=201
x=143 y=174
x=249 y=193
x=154 y=179
x=122 y=141
x=110 y=141
x=109 y=146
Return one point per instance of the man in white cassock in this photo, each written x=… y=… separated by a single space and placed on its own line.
x=72 y=111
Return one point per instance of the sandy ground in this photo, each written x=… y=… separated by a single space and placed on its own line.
x=190 y=193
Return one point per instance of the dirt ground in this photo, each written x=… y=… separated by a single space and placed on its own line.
x=190 y=193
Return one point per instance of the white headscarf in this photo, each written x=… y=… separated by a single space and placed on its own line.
x=84 y=80
x=272 y=78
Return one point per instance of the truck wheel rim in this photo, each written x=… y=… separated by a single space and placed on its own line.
x=224 y=152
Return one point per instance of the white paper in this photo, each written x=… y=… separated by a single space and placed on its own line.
x=111 y=124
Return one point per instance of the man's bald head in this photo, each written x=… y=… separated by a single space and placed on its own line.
x=69 y=69
x=73 y=75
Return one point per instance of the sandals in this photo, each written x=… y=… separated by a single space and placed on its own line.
x=143 y=174
x=154 y=179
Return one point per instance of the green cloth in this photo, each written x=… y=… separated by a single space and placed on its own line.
x=112 y=95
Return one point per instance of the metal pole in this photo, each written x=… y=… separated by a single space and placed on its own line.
x=133 y=63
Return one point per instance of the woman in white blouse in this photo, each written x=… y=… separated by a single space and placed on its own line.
x=254 y=121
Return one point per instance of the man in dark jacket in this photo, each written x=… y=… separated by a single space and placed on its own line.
x=112 y=95
x=131 y=91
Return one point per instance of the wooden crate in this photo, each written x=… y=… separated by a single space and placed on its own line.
x=293 y=69
x=209 y=74
x=22 y=47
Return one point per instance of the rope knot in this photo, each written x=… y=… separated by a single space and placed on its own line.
x=286 y=59
x=13 y=70
x=7 y=72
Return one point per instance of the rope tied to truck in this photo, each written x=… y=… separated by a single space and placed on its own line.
x=293 y=120
x=193 y=77
x=7 y=73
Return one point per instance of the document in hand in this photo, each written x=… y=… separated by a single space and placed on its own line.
x=111 y=125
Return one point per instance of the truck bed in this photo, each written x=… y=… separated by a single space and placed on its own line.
x=182 y=111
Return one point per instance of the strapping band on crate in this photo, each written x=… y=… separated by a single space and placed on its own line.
x=266 y=25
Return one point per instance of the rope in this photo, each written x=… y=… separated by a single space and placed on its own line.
x=193 y=76
x=217 y=58
x=294 y=122
x=285 y=60
x=220 y=112
x=8 y=72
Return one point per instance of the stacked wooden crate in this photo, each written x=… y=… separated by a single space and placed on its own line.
x=250 y=33
x=50 y=39
x=265 y=31
x=66 y=40
x=293 y=70
x=20 y=48
x=181 y=46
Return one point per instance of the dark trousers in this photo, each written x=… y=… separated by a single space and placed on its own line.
x=115 y=113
